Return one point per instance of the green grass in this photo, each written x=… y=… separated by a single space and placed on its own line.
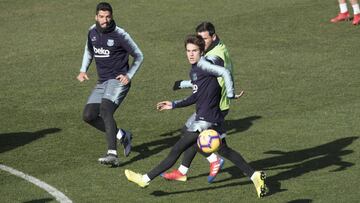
x=298 y=121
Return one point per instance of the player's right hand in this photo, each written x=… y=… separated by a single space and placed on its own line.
x=164 y=105
x=82 y=76
x=177 y=85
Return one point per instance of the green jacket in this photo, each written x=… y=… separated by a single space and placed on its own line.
x=220 y=50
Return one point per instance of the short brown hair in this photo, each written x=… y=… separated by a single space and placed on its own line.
x=197 y=40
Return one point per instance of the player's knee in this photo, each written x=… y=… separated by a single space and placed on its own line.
x=104 y=112
x=107 y=109
x=175 y=150
x=89 y=116
x=183 y=129
x=224 y=150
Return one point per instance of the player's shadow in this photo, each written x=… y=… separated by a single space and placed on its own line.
x=43 y=200
x=292 y=165
x=9 y=141
x=240 y=125
x=300 y=201
x=148 y=149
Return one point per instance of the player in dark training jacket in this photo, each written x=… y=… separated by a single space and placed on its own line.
x=206 y=96
x=111 y=46
x=216 y=53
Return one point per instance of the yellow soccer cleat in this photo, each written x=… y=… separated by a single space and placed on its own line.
x=136 y=178
x=259 y=183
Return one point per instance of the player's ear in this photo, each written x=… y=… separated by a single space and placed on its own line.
x=214 y=37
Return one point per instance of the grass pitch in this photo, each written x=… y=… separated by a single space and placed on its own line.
x=298 y=119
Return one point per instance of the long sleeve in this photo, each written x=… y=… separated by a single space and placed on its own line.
x=131 y=47
x=219 y=71
x=186 y=84
x=87 y=58
x=88 y=53
x=185 y=102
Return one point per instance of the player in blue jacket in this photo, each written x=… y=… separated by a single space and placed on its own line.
x=110 y=46
x=206 y=96
x=216 y=53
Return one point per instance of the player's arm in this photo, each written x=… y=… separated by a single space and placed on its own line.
x=131 y=47
x=185 y=102
x=167 y=105
x=182 y=84
x=216 y=60
x=87 y=59
x=219 y=71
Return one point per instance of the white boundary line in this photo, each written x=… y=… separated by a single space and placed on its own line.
x=48 y=188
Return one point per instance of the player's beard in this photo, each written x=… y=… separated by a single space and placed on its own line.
x=109 y=27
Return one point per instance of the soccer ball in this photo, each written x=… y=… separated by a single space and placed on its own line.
x=209 y=141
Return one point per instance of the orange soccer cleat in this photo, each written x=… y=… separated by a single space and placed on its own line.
x=341 y=17
x=174 y=175
x=356 y=19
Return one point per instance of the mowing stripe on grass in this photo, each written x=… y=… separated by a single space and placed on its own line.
x=59 y=196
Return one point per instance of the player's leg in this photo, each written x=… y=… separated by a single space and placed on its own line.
x=258 y=177
x=235 y=157
x=117 y=92
x=186 y=141
x=91 y=113
x=91 y=116
x=343 y=14
x=356 y=9
x=180 y=173
x=107 y=110
x=190 y=153
x=114 y=94
x=216 y=162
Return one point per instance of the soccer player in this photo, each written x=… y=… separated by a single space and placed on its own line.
x=111 y=46
x=344 y=13
x=216 y=53
x=206 y=95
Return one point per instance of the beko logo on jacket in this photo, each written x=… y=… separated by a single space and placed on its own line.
x=101 y=52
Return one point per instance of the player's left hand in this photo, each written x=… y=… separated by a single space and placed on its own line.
x=237 y=96
x=124 y=79
x=164 y=105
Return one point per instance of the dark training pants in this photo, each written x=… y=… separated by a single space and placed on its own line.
x=187 y=140
x=101 y=117
x=224 y=151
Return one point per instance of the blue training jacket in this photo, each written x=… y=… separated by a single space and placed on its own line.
x=207 y=91
x=111 y=52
